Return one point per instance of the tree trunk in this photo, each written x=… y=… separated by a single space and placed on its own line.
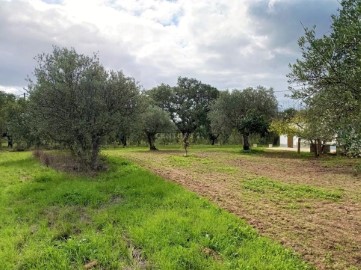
x=323 y=151
x=276 y=140
x=186 y=142
x=151 y=140
x=299 y=145
x=95 y=153
x=246 y=146
x=213 y=138
x=123 y=140
x=10 y=142
x=319 y=147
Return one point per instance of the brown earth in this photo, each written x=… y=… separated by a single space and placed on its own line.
x=312 y=206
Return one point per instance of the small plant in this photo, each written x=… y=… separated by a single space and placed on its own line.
x=357 y=170
x=37 y=153
x=43 y=157
x=185 y=146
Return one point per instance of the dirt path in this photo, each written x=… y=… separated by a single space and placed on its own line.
x=310 y=206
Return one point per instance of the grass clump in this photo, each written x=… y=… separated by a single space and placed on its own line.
x=291 y=191
x=125 y=218
x=188 y=161
x=201 y=163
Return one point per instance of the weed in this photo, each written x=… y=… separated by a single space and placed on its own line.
x=357 y=170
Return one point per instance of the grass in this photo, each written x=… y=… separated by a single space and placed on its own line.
x=289 y=192
x=339 y=162
x=296 y=199
x=202 y=163
x=125 y=218
x=290 y=196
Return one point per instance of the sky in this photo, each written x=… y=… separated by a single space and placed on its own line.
x=229 y=44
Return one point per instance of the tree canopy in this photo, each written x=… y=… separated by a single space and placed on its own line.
x=248 y=111
x=153 y=121
x=76 y=102
x=327 y=78
x=7 y=101
x=187 y=103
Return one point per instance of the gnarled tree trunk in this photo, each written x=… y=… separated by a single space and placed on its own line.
x=186 y=142
x=151 y=141
x=246 y=145
x=123 y=140
x=213 y=138
x=10 y=141
x=95 y=152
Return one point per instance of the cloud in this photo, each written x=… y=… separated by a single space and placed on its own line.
x=282 y=21
x=229 y=44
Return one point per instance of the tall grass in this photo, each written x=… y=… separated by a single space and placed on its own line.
x=125 y=218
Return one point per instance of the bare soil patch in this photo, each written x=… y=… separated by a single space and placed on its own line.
x=312 y=206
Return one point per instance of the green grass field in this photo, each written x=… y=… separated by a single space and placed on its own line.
x=309 y=204
x=125 y=218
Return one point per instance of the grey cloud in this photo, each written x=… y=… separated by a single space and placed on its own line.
x=21 y=40
x=282 y=27
x=26 y=32
x=219 y=56
x=283 y=23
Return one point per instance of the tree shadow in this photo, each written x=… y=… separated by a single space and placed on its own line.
x=16 y=163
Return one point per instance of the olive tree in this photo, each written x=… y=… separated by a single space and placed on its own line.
x=327 y=77
x=248 y=111
x=76 y=102
x=154 y=120
x=15 y=121
x=6 y=100
x=187 y=104
x=19 y=124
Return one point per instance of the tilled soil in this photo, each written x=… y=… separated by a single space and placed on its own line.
x=324 y=229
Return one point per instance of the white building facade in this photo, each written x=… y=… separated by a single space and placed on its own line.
x=292 y=141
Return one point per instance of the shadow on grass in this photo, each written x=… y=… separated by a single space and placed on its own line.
x=330 y=163
x=16 y=163
x=286 y=154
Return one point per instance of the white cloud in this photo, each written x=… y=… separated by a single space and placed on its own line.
x=16 y=90
x=227 y=43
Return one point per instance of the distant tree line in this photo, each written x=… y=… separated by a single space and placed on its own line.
x=75 y=103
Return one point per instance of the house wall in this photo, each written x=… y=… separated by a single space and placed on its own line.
x=283 y=141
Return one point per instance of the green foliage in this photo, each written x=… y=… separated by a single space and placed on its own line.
x=248 y=111
x=187 y=104
x=304 y=124
x=328 y=77
x=6 y=101
x=290 y=191
x=19 y=124
x=123 y=218
x=15 y=121
x=350 y=139
x=76 y=102
x=153 y=121
x=287 y=122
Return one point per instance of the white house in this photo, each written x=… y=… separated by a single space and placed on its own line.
x=291 y=141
